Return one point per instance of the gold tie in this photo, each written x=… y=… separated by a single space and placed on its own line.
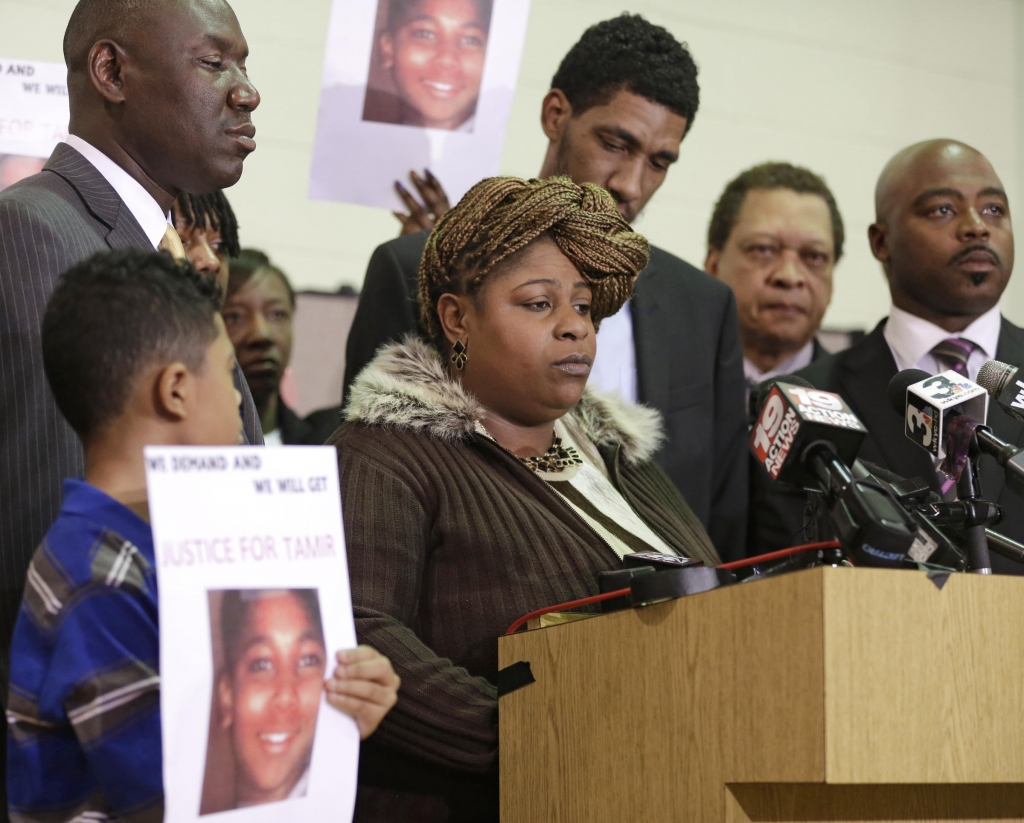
x=171 y=243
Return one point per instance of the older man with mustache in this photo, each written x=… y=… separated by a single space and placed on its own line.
x=774 y=238
x=943 y=235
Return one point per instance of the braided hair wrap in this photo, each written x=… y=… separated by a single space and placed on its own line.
x=501 y=216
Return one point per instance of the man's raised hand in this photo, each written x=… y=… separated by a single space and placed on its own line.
x=421 y=216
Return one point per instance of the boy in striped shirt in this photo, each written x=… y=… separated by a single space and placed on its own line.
x=136 y=354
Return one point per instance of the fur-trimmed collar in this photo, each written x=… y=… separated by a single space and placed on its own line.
x=407 y=386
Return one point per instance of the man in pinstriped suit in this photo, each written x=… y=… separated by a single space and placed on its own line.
x=151 y=115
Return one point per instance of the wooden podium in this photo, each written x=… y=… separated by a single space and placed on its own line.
x=824 y=695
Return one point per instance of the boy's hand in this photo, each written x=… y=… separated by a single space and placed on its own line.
x=364 y=686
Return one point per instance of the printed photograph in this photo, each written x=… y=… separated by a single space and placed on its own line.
x=428 y=63
x=269 y=661
x=414 y=84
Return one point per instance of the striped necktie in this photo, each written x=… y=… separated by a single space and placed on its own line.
x=954 y=353
x=171 y=243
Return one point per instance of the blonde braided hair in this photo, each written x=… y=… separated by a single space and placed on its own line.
x=501 y=216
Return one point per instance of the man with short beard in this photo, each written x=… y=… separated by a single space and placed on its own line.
x=619 y=106
x=943 y=235
x=152 y=115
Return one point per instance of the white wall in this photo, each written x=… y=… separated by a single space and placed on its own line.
x=836 y=86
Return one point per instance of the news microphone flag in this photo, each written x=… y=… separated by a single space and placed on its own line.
x=928 y=403
x=793 y=417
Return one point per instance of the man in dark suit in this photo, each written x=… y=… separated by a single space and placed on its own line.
x=150 y=116
x=944 y=239
x=775 y=237
x=620 y=104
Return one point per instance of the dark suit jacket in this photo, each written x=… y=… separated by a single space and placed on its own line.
x=817 y=352
x=861 y=375
x=311 y=430
x=48 y=222
x=689 y=368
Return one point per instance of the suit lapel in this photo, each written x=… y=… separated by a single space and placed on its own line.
x=650 y=331
x=99 y=197
x=864 y=379
x=819 y=351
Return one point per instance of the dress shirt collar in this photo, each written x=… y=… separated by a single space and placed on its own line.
x=791 y=364
x=139 y=201
x=911 y=337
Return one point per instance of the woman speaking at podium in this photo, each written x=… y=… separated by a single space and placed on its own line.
x=482 y=480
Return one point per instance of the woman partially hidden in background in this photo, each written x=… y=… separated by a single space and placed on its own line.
x=484 y=480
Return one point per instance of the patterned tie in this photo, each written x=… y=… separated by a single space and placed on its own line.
x=954 y=353
x=171 y=244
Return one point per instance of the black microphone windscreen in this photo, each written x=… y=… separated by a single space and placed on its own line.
x=898 y=386
x=766 y=387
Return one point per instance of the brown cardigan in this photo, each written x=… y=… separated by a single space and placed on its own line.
x=450 y=539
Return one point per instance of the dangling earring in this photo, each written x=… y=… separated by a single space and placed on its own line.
x=459 y=356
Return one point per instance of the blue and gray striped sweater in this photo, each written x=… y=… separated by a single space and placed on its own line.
x=83 y=713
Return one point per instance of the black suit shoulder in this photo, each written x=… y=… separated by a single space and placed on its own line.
x=690 y=368
x=1011 y=338
x=388 y=307
x=684 y=279
x=311 y=430
x=407 y=251
x=45 y=226
x=40 y=193
x=823 y=373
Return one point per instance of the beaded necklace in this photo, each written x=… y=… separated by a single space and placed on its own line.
x=555 y=459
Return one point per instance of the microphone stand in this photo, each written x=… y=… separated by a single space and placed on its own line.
x=968 y=491
x=1003 y=545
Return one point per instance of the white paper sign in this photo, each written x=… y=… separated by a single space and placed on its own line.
x=34 y=110
x=407 y=88
x=254 y=602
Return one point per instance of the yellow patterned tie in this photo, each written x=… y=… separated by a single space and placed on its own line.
x=171 y=243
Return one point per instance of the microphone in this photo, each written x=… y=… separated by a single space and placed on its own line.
x=1004 y=386
x=792 y=416
x=925 y=402
x=921 y=418
x=944 y=414
x=932 y=545
x=809 y=437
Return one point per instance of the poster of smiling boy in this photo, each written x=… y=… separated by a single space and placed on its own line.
x=254 y=603
x=414 y=84
x=269 y=662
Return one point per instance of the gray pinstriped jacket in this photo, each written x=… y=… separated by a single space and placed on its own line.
x=48 y=222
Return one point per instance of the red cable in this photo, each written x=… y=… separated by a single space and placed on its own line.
x=764 y=558
x=584 y=601
x=736 y=564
